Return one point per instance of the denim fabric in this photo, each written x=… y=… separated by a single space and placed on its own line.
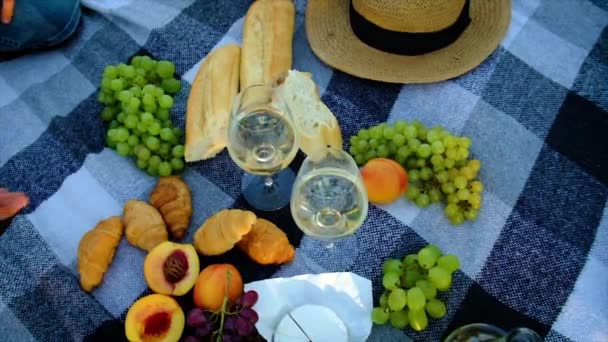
x=39 y=23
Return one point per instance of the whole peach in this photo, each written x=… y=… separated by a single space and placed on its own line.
x=211 y=285
x=384 y=179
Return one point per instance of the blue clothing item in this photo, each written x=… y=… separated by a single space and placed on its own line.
x=39 y=24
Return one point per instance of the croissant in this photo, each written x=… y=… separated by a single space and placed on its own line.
x=172 y=198
x=266 y=244
x=144 y=226
x=222 y=230
x=96 y=251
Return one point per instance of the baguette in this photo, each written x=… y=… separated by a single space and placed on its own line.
x=210 y=102
x=317 y=126
x=267 y=41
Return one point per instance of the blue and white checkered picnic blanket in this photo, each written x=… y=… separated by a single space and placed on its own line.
x=536 y=110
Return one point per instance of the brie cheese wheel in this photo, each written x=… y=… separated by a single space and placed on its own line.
x=308 y=323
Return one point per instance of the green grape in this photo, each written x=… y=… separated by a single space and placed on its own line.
x=410 y=278
x=450 y=142
x=449 y=262
x=399 y=319
x=440 y=277
x=436 y=308
x=178 y=151
x=451 y=209
x=400 y=125
x=151 y=108
x=354 y=140
x=418 y=319
x=388 y=132
x=403 y=152
x=426 y=173
x=392 y=148
x=413 y=144
x=136 y=91
x=371 y=154
x=166 y=134
x=375 y=132
x=168 y=124
x=110 y=143
x=117 y=84
x=114 y=124
x=423 y=200
x=420 y=163
x=177 y=164
x=165 y=69
x=141 y=128
x=134 y=102
x=411 y=163
x=121 y=117
x=383 y=301
x=122 y=134
x=153 y=143
x=123 y=148
x=373 y=143
x=475 y=200
x=107 y=114
x=131 y=121
x=164 y=169
x=110 y=72
x=434 y=195
x=124 y=95
x=399 y=139
x=380 y=315
x=434 y=248
x=139 y=81
x=142 y=164
x=362 y=145
x=427 y=258
x=442 y=177
x=171 y=85
x=463 y=154
x=471 y=214
x=474 y=164
x=397 y=299
x=136 y=61
x=437 y=160
x=148 y=99
x=163 y=114
x=452 y=154
x=410 y=132
x=437 y=147
x=164 y=150
x=138 y=148
x=159 y=92
x=133 y=140
x=412 y=192
x=467 y=173
x=452 y=198
x=463 y=194
x=165 y=101
x=353 y=150
x=410 y=259
x=147 y=118
x=131 y=110
x=143 y=153
x=383 y=151
x=399 y=159
x=154 y=161
x=429 y=290
x=414 y=175
x=476 y=186
x=363 y=134
x=128 y=72
x=149 y=89
x=360 y=159
x=105 y=85
x=464 y=142
x=154 y=128
x=415 y=299
x=460 y=182
x=152 y=170
x=432 y=135
x=448 y=163
x=452 y=173
x=424 y=150
x=391 y=280
x=392 y=265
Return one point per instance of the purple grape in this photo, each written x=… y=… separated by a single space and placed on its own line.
x=204 y=330
x=196 y=318
x=243 y=327
x=248 y=299
x=231 y=338
x=230 y=323
x=191 y=339
x=250 y=315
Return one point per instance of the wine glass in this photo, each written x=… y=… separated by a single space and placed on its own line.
x=329 y=201
x=490 y=333
x=262 y=140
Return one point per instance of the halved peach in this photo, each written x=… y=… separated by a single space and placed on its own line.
x=171 y=268
x=155 y=318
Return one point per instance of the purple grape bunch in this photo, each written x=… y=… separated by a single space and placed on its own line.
x=239 y=322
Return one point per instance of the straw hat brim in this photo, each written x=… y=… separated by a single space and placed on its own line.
x=333 y=41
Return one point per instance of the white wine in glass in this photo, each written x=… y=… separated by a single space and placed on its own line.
x=329 y=200
x=262 y=140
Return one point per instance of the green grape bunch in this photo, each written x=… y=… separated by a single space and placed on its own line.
x=411 y=287
x=137 y=99
x=438 y=164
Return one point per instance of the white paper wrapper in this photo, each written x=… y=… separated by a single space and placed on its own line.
x=347 y=294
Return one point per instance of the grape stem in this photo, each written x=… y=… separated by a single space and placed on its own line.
x=223 y=309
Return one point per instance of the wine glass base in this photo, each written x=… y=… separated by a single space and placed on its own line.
x=335 y=256
x=268 y=198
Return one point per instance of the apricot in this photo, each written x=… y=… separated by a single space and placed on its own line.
x=155 y=318
x=384 y=179
x=171 y=268
x=211 y=285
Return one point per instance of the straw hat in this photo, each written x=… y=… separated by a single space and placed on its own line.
x=406 y=41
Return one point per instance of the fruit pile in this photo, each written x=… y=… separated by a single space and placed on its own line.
x=227 y=324
x=411 y=288
x=137 y=101
x=437 y=163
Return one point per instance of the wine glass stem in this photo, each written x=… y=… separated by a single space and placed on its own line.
x=269 y=181
x=329 y=245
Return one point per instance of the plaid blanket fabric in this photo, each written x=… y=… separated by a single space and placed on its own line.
x=536 y=110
